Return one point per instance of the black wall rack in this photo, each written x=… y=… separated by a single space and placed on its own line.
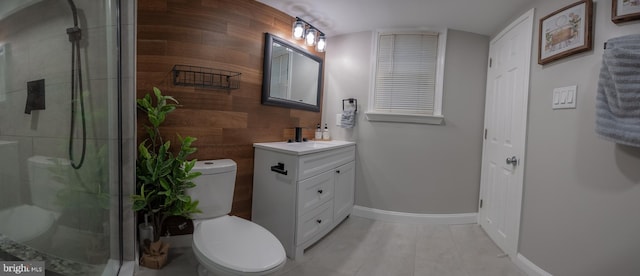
x=203 y=77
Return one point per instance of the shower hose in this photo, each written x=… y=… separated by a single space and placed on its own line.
x=76 y=91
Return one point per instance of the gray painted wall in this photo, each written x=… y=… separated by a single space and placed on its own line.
x=415 y=168
x=581 y=193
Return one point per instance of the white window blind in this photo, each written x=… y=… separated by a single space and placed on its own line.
x=405 y=74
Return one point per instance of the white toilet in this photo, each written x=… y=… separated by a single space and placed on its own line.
x=34 y=224
x=223 y=244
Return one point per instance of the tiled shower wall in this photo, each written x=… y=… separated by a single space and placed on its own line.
x=36 y=47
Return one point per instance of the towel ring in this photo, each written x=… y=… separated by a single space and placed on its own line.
x=351 y=101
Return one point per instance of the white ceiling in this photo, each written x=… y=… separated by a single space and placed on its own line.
x=336 y=17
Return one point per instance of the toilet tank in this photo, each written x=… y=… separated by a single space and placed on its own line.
x=214 y=188
x=46 y=177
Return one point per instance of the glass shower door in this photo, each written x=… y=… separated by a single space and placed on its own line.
x=59 y=158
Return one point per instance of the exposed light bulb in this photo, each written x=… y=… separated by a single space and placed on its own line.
x=310 y=37
x=322 y=43
x=298 y=30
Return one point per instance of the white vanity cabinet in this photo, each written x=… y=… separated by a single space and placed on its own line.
x=302 y=190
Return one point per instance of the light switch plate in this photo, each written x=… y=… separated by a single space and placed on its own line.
x=564 y=97
x=339 y=119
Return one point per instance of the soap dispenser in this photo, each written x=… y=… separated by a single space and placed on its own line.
x=325 y=133
x=318 y=132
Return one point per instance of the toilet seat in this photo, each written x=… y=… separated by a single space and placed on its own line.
x=26 y=222
x=237 y=246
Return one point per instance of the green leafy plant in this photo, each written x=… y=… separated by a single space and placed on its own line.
x=85 y=194
x=162 y=177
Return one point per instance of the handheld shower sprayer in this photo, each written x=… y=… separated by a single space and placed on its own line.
x=75 y=35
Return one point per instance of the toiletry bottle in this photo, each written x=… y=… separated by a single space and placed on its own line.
x=318 y=132
x=325 y=133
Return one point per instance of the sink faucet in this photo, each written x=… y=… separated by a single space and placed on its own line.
x=298 y=137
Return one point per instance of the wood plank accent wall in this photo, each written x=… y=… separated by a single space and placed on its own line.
x=226 y=35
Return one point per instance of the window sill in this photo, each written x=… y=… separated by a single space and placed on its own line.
x=405 y=118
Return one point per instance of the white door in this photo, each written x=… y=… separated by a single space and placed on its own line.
x=505 y=133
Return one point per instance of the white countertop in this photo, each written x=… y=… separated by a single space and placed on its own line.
x=302 y=148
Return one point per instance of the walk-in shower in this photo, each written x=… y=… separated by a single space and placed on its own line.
x=61 y=163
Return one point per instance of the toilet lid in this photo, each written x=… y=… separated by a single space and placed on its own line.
x=238 y=244
x=25 y=222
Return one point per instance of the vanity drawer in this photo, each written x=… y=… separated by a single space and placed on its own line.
x=314 y=222
x=313 y=164
x=314 y=191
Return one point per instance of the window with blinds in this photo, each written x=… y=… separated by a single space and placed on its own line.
x=406 y=74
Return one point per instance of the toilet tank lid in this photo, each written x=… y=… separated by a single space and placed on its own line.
x=215 y=166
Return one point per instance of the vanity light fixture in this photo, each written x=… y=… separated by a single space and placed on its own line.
x=298 y=29
x=322 y=43
x=312 y=36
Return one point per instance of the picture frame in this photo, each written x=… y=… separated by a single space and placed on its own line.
x=625 y=10
x=566 y=32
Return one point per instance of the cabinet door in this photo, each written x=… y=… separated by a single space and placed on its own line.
x=343 y=192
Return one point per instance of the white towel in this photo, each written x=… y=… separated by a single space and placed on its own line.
x=348 y=119
x=618 y=99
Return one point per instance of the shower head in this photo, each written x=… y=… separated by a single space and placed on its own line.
x=74 y=33
x=75 y=13
x=74 y=36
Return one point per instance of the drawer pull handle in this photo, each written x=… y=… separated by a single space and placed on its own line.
x=319 y=221
x=279 y=169
x=320 y=191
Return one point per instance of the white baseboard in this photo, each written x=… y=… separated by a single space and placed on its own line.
x=528 y=267
x=414 y=218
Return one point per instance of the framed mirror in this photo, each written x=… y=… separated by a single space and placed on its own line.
x=292 y=75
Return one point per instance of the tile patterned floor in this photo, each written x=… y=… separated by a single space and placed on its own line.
x=360 y=247
x=54 y=264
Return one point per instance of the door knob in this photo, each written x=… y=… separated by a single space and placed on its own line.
x=512 y=161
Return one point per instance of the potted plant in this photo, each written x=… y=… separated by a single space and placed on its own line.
x=162 y=176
